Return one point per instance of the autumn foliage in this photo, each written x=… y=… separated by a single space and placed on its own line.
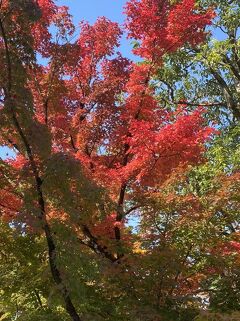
x=93 y=145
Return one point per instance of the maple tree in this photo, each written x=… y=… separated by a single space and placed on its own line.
x=93 y=146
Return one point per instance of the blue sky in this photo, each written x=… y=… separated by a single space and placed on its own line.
x=91 y=9
x=5 y=152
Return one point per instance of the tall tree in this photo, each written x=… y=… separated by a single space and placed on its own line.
x=93 y=146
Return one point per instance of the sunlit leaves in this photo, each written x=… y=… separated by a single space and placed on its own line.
x=96 y=144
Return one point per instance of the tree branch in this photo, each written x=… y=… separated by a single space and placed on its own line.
x=41 y=203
